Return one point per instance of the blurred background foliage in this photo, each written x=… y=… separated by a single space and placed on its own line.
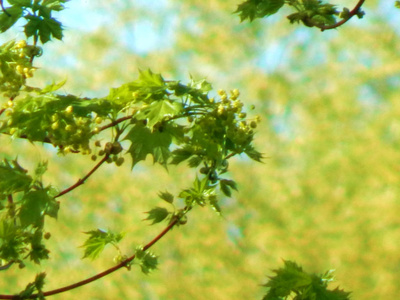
x=326 y=196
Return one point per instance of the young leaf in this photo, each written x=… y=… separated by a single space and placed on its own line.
x=6 y=21
x=159 y=111
x=53 y=87
x=253 y=154
x=157 y=215
x=12 y=243
x=182 y=154
x=291 y=279
x=144 y=142
x=252 y=9
x=32 y=287
x=34 y=206
x=166 y=196
x=13 y=178
x=226 y=186
x=149 y=78
x=25 y=3
x=98 y=239
x=148 y=261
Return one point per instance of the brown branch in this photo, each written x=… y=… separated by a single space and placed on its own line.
x=82 y=181
x=102 y=274
x=113 y=123
x=352 y=13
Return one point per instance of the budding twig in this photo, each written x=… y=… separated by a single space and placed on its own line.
x=352 y=13
x=102 y=274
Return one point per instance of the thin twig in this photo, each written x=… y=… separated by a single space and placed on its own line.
x=4 y=10
x=82 y=181
x=102 y=274
x=352 y=13
x=115 y=122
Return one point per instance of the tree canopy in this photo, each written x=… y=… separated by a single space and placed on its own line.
x=325 y=195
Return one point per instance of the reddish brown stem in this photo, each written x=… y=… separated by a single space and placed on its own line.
x=113 y=123
x=102 y=274
x=82 y=180
x=352 y=13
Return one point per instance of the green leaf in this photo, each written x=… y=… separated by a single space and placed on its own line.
x=36 y=204
x=149 y=78
x=40 y=169
x=159 y=111
x=179 y=155
x=54 y=4
x=215 y=205
x=397 y=4
x=252 y=9
x=226 y=186
x=25 y=3
x=50 y=28
x=6 y=21
x=33 y=287
x=38 y=250
x=195 y=161
x=292 y=279
x=166 y=196
x=157 y=215
x=11 y=243
x=44 y=27
x=53 y=87
x=146 y=142
x=253 y=154
x=13 y=178
x=148 y=261
x=98 y=239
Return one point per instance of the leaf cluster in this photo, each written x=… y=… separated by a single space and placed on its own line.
x=147 y=260
x=292 y=282
x=34 y=287
x=168 y=120
x=98 y=240
x=40 y=24
x=312 y=13
x=24 y=204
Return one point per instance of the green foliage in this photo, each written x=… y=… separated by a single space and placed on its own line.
x=310 y=12
x=166 y=196
x=13 y=178
x=146 y=260
x=291 y=282
x=157 y=215
x=168 y=120
x=22 y=224
x=252 y=9
x=97 y=241
x=38 y=16
x=34 y=287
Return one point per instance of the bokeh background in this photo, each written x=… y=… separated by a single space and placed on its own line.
x=326 y=195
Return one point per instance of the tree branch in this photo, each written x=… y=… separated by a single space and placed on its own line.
x=82 y=181
x=173 y=222
x=113 y=123
x=352 y=13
